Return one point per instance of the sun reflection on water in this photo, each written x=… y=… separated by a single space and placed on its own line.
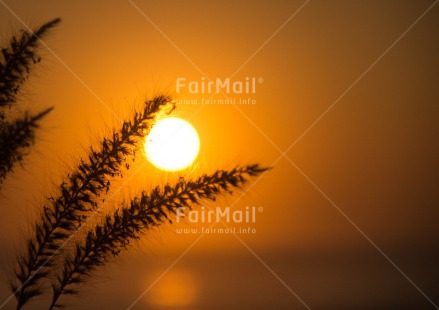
x=178 y=288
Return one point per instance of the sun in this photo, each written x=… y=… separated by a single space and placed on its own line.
x=173 y=144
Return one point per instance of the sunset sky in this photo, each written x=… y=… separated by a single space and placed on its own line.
x=345 y=110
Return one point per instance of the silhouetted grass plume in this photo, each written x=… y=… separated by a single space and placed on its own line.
x=16 y=61
x=15 y=139
x=128 y=223
x=79 y=193
x=18 y=135
x=77 y=196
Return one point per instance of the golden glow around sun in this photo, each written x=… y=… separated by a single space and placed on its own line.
x=172 y=144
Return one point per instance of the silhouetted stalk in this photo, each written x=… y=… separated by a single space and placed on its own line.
x=16 y=61
x=77 y=196
x=128 y=223
x=15 y=138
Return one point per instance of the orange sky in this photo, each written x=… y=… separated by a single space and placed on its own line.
x=369 y=163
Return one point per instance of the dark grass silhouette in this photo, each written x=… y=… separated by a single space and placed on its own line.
x=16 y=62
x=78 y=195
x=15 y=140
x=116 y=232
x=17 y=136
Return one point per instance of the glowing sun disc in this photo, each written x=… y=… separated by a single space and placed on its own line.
x=172 y=144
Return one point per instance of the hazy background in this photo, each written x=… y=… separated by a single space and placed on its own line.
x=374 y=154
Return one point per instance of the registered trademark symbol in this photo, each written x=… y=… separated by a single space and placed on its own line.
x=260 y=209
x=260 y=80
